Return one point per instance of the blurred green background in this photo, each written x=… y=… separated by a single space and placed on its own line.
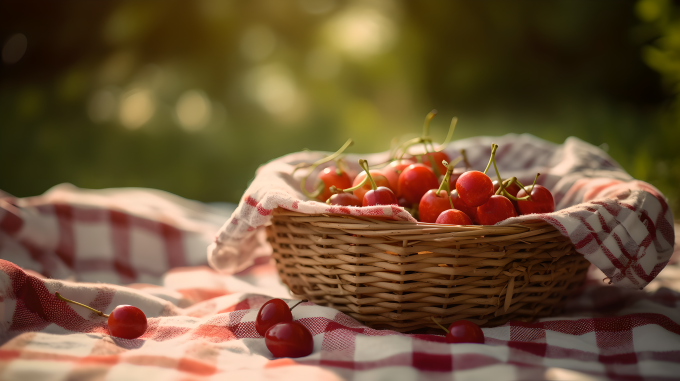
x=190 y=97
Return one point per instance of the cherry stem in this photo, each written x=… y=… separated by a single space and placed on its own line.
x=494 y=147
x=447 y=176
x=364 y=164
x=465 y=159
x=335 y=189
x=449 y=135
x=58 y=295
x=441 y=326
x=534 y=184
x=298 y=303
x=426 y=126
x=315 y=164
x=506 y=183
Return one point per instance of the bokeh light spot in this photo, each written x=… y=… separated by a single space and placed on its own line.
x=362 y=32
x=137 y=107
x=193 y=110
x=257 y=43
x=102 y=106
x=14 y=49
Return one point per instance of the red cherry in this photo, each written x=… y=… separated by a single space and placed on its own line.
x=330 y=177
x=393 y=171
x=378 y=177
x=474 y=188
x=380 y=196
x=541 y=201
x=497 y=209
x=463 y=207
x=345 y=199
x=437 y=157
x=127 y=322
x=453 y=217
x=272 y=312
x=463 y=331
x=431 y=205
x=289 y=339
x=414 y=181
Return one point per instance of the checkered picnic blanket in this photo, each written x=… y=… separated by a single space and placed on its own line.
x=88 y=244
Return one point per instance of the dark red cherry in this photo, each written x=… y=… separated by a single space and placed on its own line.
x=431 y=205
x=330 y=177
x=453 y=217
x=274 y=311
x=380 y=196
x=378 y=177
x=393 y=171
x=128 y=322
x=497 y=209
x=463 y=207
x=289 y=339
x=463 y=331
x=437 y=157
x=541 y=201
x=414 y=181
x=474 y=188
x=345 y=199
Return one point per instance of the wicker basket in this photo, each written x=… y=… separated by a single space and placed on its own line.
x=397 y=275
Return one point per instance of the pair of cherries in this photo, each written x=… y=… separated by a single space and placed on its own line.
x=125 y=321
x=283 y=336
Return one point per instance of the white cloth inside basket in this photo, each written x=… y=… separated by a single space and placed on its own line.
x=621 y=225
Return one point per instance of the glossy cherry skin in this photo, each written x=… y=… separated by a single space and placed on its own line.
x=463 y=207
x=378 y=177
x=542 y=201
x=127 y=322
x=330 y=177
x=393 y=171
x=437 y=157
x=453 y=217
x=380 y=196
x=274 y=311
x=431 y=205
x=497 y=209
x=414 y=181
x=345 y=199
x=463 y=331
x=474 y=188
x=289 y=339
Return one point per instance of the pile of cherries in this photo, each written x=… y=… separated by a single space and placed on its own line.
x=283 y=336
x=429 y=187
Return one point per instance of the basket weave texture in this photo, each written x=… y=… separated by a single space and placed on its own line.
x=399 y=275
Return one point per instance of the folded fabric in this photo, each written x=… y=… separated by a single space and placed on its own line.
x=621 y=225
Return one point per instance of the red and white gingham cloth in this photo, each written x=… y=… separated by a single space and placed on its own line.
x=201 y=323
x=621 y=225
